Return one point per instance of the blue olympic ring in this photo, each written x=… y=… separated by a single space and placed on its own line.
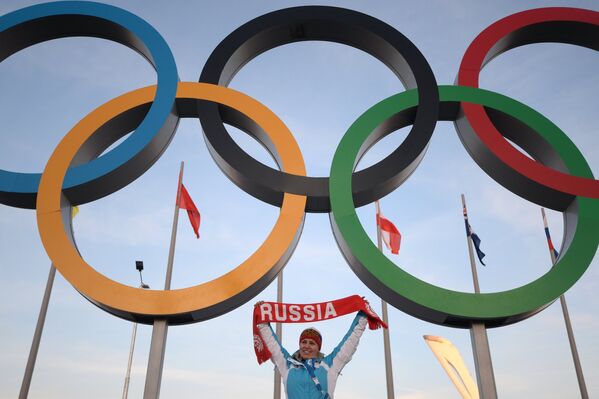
x=131 y=158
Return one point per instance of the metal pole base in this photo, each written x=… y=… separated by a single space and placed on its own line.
x=156 y=360
x=482 y=360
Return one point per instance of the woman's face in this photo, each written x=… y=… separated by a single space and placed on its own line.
x=308 y=348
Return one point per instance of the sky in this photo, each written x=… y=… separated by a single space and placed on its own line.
x=318 y=89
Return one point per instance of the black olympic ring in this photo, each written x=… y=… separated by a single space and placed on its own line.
x=328 y=24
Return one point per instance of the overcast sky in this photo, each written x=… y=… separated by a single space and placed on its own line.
x=318 y=90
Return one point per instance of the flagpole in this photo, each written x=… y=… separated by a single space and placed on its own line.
x=579 y=375
x=39 y=328
x=160 y=329
x=129 y=362
x=37 y=336
x=279 y=328
x=478 y=336
x=139 y=265
x=386 y=341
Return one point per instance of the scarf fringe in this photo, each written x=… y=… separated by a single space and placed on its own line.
x=375 y=324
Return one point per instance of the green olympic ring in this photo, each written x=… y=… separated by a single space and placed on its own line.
x=429 y=302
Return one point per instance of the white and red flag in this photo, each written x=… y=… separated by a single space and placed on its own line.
x=391 y=236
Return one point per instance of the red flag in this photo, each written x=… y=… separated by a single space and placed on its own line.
x=391 y=236
x=185 y=202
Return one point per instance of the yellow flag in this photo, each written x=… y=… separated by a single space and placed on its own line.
x=454 y=365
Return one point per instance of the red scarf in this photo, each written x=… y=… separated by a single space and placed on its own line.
x=267 y=312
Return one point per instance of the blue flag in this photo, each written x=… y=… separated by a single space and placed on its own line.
x=475 y=239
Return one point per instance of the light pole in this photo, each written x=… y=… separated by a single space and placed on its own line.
x=139 y=265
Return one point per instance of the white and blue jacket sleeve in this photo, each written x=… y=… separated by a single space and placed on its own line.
x=343 y=353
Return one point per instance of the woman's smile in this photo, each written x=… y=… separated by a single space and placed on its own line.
x=308 y=348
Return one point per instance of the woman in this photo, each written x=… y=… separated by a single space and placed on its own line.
x=308 y=374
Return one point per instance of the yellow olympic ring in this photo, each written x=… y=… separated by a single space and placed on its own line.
x=185 y=305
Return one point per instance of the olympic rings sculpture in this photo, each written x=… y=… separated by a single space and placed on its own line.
x=558 y=177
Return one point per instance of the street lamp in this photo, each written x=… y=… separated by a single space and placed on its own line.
x=139 y=265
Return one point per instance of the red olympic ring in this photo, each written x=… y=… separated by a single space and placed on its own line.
x=507 y=33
